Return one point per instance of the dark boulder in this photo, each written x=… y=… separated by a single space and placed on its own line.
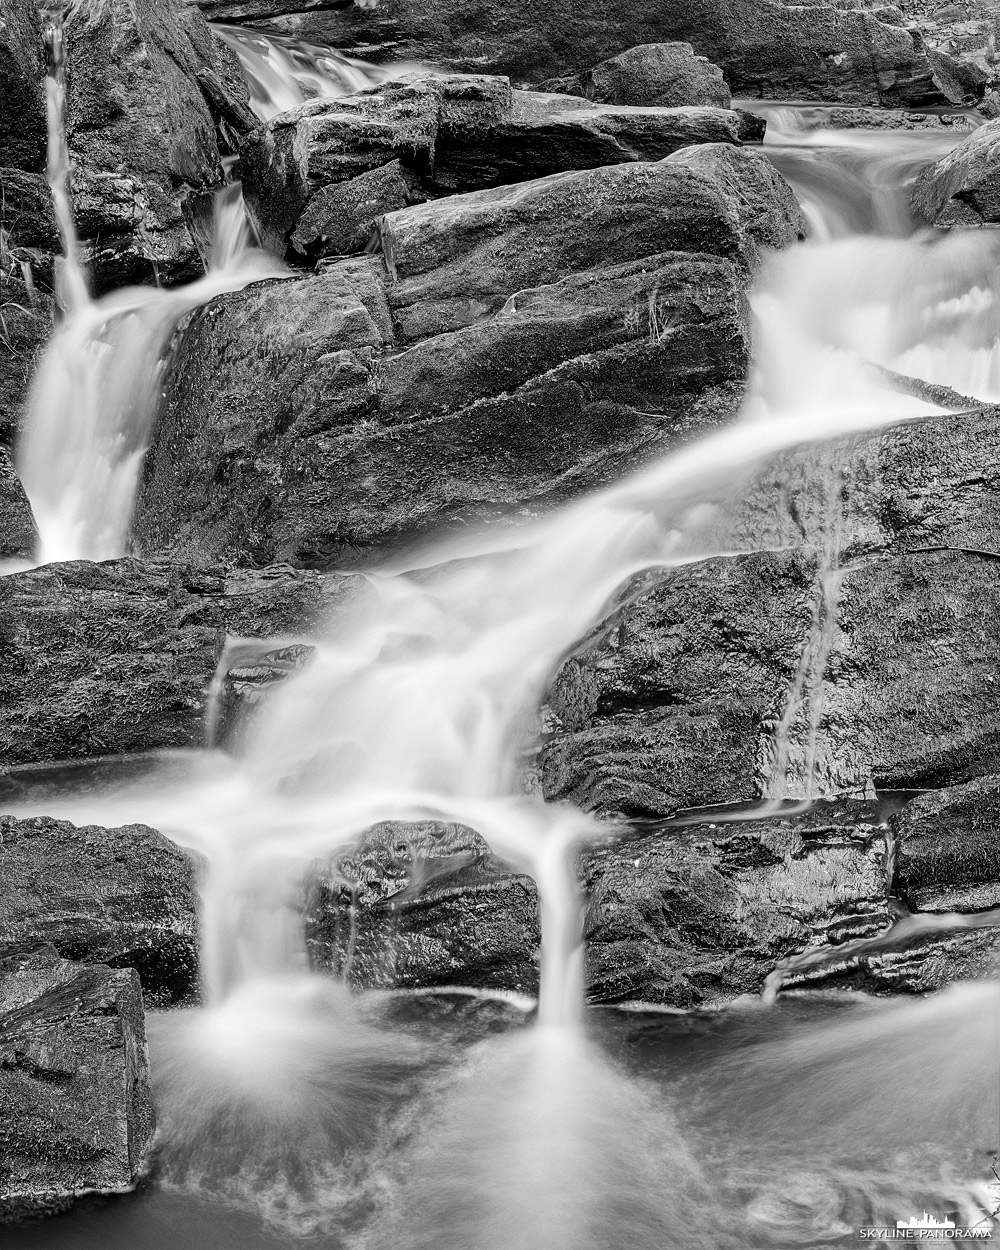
x=123 y=897
x=699 y=914
x=889 y=665
x=765 y=48
x=435 y=134
x=75 y=1111
x=963 y=188
x=690 y=916
x=948 y=856
x=423 y=904
x=669 y=75
x=111 y=658
x=146 y=85
x=557 y=334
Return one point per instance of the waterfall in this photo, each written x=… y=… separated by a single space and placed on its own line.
x=96 y=393
x=421 y=704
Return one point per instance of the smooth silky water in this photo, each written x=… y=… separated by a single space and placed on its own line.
x=293 y=1112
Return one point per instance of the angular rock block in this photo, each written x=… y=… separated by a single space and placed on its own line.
x=123 y=897
x=441 y=134
x=963 y=188
x=103 y=659
x=75 y=1111
x=138 y=172
x=882 y=676
x=423 y=904
x=554 y=335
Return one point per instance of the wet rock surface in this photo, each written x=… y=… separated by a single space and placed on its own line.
x=146 y=85
x=75 y=1109
x=424 y=904
x=556 y=334
x=688 y=915
x=123 y=897
x=829 y=52
x=117 y=657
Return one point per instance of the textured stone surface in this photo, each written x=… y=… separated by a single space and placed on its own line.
x=559 y=333
x=825 y=51
x=124 y=897
x=949 y=849
x=674 y=701
x=17 y=525
x=75 y=1110
x=963 y=188
x=146 y=83
x=666 y=74
x=685 y=915
x=423 y=904
x=99 y=659
x=442 y=134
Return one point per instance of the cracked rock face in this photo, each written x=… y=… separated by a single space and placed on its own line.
x=75 y=1110
x=123 y=897
x=518 y=346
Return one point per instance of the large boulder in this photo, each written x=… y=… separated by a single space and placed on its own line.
x=100 y=659
x=437 y=134
x=880 y=675
x=518 y=347
x=963 y=188
x=146 y=85
x=123 y=897
x=75 y=1111
x=856 y=54
x=669 y=75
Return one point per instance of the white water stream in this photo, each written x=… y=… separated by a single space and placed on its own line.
x=421 y=706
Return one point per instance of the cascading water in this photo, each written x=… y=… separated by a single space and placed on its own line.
x=279 y=1091
x=97 y=390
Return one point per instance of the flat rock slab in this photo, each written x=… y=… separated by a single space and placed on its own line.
x=75 y=1111
x=113 y=658
x=123 y=897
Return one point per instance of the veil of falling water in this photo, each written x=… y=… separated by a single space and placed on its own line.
x=422 y=707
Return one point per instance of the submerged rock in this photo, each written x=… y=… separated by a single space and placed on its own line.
x=518 y=347
x=75 y=1111
x=435 y=134
x=963 y=188
x=102 y=659
x=668 y=75
x=124 y=897
x=826 y=51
